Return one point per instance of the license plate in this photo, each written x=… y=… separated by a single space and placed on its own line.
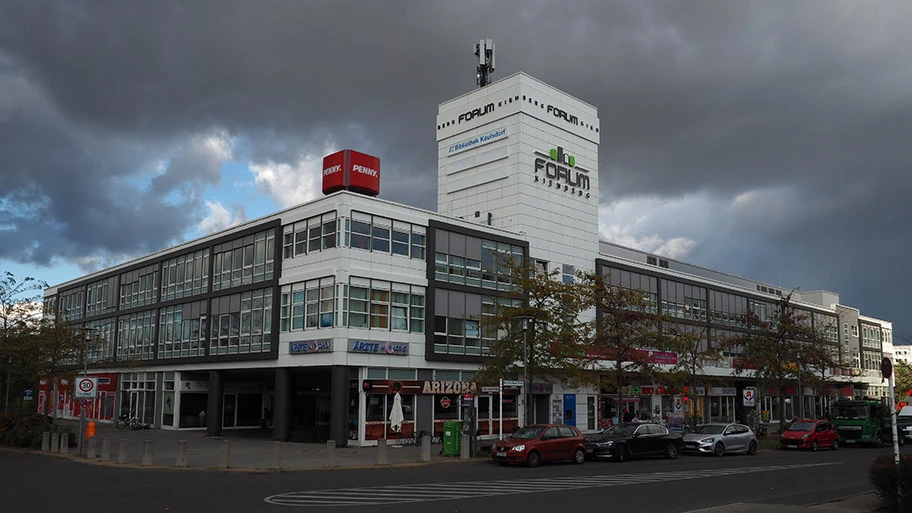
x=501 y=455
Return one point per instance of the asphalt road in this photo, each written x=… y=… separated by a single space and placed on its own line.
x=32 y=482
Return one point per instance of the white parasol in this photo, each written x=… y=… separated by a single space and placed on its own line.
x=396 y=415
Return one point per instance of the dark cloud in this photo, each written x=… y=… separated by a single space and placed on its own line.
x=803 y=109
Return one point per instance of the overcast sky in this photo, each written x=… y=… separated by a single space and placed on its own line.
x=767 y=139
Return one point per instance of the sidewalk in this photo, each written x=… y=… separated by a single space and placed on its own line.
x=252 y=450
x=860 y=503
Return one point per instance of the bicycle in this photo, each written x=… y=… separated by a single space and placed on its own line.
x=131 y=422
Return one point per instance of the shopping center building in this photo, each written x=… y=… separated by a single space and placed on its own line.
x=308 y=321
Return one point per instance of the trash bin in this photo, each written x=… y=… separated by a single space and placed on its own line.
x=452 y=437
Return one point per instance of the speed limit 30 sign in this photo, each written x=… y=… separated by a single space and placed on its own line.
x=86 y=387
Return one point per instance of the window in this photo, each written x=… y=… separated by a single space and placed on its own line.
x=727 y=309
x=381 y=305
x=385 y=235
x=683 y=301
x=242 y=323
x=308 y=305
x=854 y=330
x=185 y=276
x=182 y=330
x=244 y=261
x=134 y=336
x=97 y=298
x=648 y=285
x=567 y=273
x=71 y=304
x=488 y=272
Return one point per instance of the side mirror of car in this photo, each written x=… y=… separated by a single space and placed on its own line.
x=636 y=435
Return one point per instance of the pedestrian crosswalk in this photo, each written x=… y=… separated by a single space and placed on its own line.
x=427 y=492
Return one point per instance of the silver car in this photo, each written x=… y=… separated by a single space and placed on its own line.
x=719 y=439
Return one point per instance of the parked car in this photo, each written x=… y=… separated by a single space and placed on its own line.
x=809 y=434
x=720 y=439
x=624 y=441
x=541 y=442
x=904 y=422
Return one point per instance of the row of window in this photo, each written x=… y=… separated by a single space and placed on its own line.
x=491 y=271
x=384 y=235
x=142 y=291
x=97 y=299
x=311 y=235
x=242 y=324
x=308 y=305
x=181 y=334
x=376 y=304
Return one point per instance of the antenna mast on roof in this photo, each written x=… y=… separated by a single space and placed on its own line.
x=484 y=50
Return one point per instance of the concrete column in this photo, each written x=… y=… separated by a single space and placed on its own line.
x=105 y=449
x=282 y=413
x=90 y=448
x=225 y=456
x=382 y=458
x=338 y=409
x=331 y=453
x=181 y=454
x=147 y=453
x=55 y=442
x=277 y=454
x=64 y=443
x=214 y=408
x=464 y=447
x=122 y=451
x=46 y=441
x=425 y=448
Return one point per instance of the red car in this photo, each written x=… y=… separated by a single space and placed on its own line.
x=541 y=442
x=809 y=434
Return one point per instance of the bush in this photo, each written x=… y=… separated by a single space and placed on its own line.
x=27 y=434
x=884 y=476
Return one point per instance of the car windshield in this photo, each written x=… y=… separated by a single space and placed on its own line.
x=850 y=411
x=709 y=429
x=802 y=426
x=621 y=430
x=528 y=433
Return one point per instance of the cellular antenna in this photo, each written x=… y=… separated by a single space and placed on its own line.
x=484 y=50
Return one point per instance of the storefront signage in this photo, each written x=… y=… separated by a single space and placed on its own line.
x=651 y=356
x=749 y=396
x=559 y=113
x=323 y=345
x=476 y=113
x=194 y=386
x=558 y=169
x=479 y=140
x=723 y=391
x=445 y=402
x=448 y=387
x=367 y=346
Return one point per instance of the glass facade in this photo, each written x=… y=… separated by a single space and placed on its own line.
x=134 y=336
x=244 y=261
x=309 y=305
x=182 y=330
x=186 y=275
x=383 y=305
x=241 y=323
x=385 y=235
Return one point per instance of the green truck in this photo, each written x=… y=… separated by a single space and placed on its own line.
x=866 y=422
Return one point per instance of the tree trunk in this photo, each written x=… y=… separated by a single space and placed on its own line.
x=781 y=402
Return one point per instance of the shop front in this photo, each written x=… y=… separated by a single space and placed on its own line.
x=64 y=405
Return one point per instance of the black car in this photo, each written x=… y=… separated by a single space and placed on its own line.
x=623 y=441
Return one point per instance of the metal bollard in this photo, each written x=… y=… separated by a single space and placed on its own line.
x=105 y=449
x=330 y=453
x=181 y=454
x=277 y=454
x=55 y=442
x=381 y=452
x=425 y=448
x=90 y=448
x=64 y=443
x=226 y=454
x=46 y=441
x=147 y=453
x=122 y=451
x=464 y=448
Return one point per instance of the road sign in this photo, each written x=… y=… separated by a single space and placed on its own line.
x=488 y=390
x=512 y=383
x=27 y=395
x=84 y=403
x=749 y=396
x=86 y=387
x=886 y=368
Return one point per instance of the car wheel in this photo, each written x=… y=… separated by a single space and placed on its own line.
x=671 y=451
x=719 y=449
x=835 y=446
x=814 y=445
x=752 y=448
x=533 y=459
x=620 y=454
x=579 y=456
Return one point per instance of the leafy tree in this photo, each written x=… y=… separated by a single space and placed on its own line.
x=553 y=341
x=695 y=351
x=902 y=381
x=626 y=325
x=19 y=314
x=782 y=349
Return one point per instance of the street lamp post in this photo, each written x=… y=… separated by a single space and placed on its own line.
x=527 y=323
